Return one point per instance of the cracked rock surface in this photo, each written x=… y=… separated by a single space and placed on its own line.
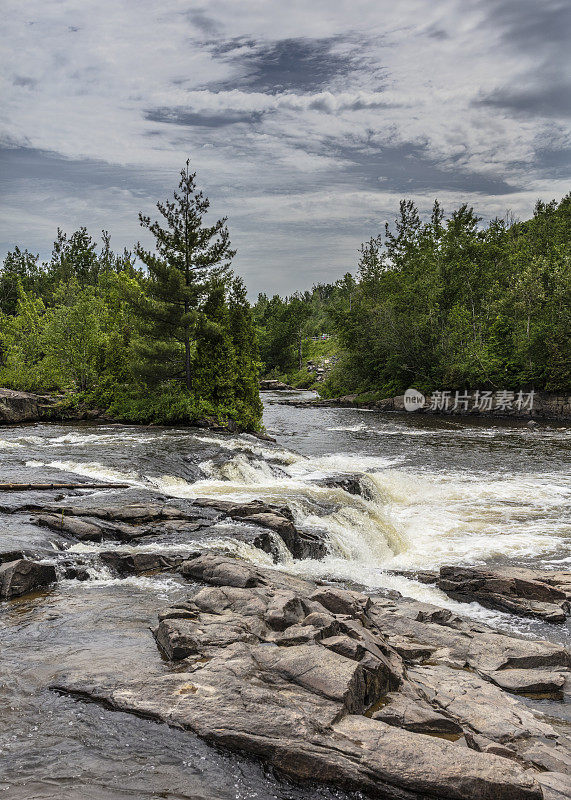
x=396 y=698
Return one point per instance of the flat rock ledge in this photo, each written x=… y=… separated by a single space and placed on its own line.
x=131 y=522
x=515 y=590
x=394 y=698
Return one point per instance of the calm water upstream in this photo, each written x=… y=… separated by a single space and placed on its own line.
x=442 y=492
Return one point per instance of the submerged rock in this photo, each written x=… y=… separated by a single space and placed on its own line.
x=331 y=685
x=137 y=563
x=24 y=576
x=352 y=484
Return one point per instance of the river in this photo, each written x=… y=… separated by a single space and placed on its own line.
x=440 y=491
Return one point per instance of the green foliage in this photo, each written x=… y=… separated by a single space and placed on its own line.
x=445 y=303
x=177 y=305
x=169 y=403
x=20 y=270
x=173 y=344
x=246 y=364
x=21 y=343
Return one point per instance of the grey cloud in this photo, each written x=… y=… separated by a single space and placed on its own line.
x=539 y=32
x=435 y=32
x=304 y=187
x=21 y=164
x=200 y=19
x=407 y=168
x=300 y=65
x=550 y=100
x=529 y=25
x=553 y=162
x=195 y=119
x=23 y=80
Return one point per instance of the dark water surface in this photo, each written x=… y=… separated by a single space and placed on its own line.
x=442 y=492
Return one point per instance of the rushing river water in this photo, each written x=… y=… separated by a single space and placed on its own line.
x=440 y=491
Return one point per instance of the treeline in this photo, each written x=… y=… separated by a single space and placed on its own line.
x=444 y=303
x=163 y=336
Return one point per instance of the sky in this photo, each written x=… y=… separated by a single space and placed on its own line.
x=306 y=122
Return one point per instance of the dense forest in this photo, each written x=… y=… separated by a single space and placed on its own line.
x=168 y=335
x=441 y=304
x=165 y=336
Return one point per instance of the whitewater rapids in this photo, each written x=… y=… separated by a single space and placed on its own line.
x=420 y=511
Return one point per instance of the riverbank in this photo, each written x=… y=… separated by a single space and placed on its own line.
x=18 y=407
x=545 y=405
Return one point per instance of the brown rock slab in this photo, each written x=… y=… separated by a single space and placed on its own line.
x=416 y=715
x=307 y=678
x=517 y=591
x=530 y=681
x=24 y=576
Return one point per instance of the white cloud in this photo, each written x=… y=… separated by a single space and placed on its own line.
x=82 y=78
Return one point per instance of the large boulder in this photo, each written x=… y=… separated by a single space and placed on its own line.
x=23 y=576
x=17 y=407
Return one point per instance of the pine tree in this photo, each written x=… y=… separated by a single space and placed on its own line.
x=188 y=257
x=213 y=365
x=246 y=357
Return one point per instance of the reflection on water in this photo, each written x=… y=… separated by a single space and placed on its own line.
x=437 y=491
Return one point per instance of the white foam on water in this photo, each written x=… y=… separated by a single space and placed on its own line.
x=161 y=584
x=451 y=518
x=247 y=446
x=349 y=428
x=94 y=469
x=352 y=572
x=237 y=549
x=8 y=445
x=413 y=519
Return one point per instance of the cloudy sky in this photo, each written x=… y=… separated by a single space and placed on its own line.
x=306 y=121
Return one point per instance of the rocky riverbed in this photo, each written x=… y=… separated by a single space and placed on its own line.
x=381 y=694
x=280 y=614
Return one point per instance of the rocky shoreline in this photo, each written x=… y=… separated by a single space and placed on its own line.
x=17 y=408
x=376 y=693
x=546 y=406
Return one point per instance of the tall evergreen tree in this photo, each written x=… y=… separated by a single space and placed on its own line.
x=213 y=365
x=189 y=256
x=246 y=357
